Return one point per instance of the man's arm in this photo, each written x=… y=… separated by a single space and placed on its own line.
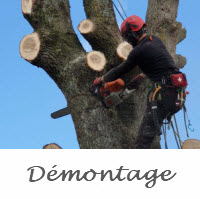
x=125 y=67
x=117 y=72
x=136 y=81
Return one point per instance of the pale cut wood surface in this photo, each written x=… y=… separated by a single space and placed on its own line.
x=86 y=26
x=96 y=60
x=191 y=144
x=30 y=46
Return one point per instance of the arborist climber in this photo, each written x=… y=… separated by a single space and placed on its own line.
x=156 y=63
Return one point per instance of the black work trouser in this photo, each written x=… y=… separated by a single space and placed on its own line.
x=166 y=107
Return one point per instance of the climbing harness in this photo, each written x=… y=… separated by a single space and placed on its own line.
x=177 y=81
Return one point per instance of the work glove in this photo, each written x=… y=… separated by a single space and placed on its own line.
x=97 y=81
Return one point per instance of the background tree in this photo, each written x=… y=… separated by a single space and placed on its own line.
x=55 y=47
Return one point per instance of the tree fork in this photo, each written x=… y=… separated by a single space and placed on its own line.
x=106 y=36
x=63 y=58
x=59 y=44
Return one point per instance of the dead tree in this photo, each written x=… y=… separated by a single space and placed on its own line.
x=54 y=47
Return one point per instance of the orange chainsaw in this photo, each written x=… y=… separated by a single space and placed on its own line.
x=111 y=93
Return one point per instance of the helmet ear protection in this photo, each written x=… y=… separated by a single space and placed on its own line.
x=131 y=36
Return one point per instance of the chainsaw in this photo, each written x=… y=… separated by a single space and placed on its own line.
x=112 y=93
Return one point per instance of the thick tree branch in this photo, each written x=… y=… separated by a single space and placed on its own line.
x=161 y=21
x=55 y=35
x=105 y=37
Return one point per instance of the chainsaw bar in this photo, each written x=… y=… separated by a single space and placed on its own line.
x=61 y=113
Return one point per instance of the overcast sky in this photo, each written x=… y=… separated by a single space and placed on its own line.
x=28 y=96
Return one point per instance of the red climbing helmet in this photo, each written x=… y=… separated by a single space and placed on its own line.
x=132 y=28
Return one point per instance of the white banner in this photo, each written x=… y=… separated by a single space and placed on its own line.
x=99 y=174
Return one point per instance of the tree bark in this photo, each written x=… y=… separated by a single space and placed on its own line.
x=161 y=21
x=62 y=56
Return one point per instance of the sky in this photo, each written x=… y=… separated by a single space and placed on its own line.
x=28 y=95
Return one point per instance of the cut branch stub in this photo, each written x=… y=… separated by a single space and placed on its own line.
x=191 y=144
x=180 y=61
x=30 y=46
x=52 y=146
x=86 y=27
x=27 y=6
x=123 y=50
x=96 y=60
x=181 y=34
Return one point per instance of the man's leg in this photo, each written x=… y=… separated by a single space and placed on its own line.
x=147 y=132
x=166 y=108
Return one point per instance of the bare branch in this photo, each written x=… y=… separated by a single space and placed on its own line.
x=51 y=18
x=56 y=45
x=106 y=36
x=180 y=61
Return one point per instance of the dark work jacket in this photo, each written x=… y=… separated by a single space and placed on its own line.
x=151 y=56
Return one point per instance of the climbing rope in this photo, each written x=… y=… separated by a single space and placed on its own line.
x=118 y=11
x=122 y=8
x=120 y=4
x=177 y=131
x=175 y=136
x=189 y=124
x=164 y=127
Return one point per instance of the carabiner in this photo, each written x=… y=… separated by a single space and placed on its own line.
x=191 y=129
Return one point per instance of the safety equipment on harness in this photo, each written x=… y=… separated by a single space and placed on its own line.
x=179 y=80
x=187 y=118
x=112 y=93
x=132 y=29
x=154 y=109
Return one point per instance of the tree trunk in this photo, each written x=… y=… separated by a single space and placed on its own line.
x=55 y=47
